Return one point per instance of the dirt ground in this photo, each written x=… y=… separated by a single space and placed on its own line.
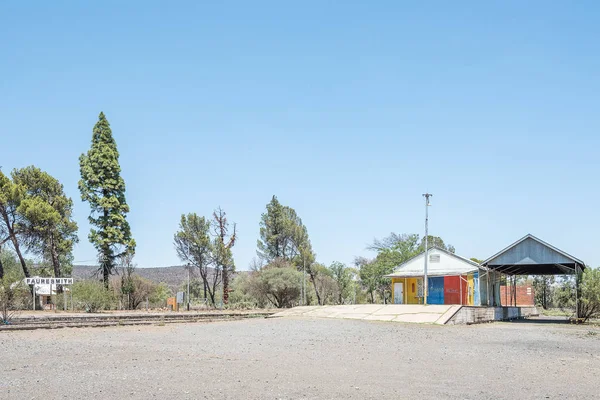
x=303 y=359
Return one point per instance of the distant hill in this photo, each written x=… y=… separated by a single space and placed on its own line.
x=174 y=276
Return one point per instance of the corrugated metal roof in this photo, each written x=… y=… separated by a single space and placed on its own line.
x=540 y=241
x=449 y=264
x=532 y=256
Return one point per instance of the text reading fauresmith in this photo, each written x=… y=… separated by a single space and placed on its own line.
x=49 y=281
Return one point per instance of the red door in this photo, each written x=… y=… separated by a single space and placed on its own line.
x=452 y=290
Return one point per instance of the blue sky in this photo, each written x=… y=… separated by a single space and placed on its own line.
x=347 y=111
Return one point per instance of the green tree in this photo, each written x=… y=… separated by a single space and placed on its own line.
x=160 y=294
x=11 y=196
x=126 y=287
x=277 y=229
x=13 y=292
x=196 y=287
x=46 y=224
x=404 y=246
x=436 y=241
x=102 y=186
x=371 y=274
x=324 y=284
x=92 y=296
x=10 y=264
x=284 y=236
x=589 y=304
x=243 y=295
x=344 y=278
x=141 y=289
x=281 y=286
x=544 y=290
x=194 y=246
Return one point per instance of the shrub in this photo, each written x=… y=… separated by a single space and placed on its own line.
x=13 y=295
x=92 y=296
x=160 y=294
x=281 y=286
x=589 y=306
x=242 y=296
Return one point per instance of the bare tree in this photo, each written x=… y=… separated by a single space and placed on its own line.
x=222 y=255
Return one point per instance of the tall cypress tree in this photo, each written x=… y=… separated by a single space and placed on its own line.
x=102 y=186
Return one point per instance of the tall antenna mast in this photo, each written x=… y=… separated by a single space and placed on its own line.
x=425 y=283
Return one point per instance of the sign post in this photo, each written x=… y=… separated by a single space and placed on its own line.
x=180 y=296
x=48 y=281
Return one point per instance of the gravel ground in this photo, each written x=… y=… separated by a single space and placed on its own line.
x=303 y=359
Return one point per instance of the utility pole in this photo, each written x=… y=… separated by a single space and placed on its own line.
x=188 y=291
x=425 y=288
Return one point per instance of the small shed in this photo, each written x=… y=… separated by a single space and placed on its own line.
x=451 y=279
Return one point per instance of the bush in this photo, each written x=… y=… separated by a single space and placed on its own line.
x=133 y=290
x=242 y=295
x=13 y=296
x=589 y=305
x=160 y=294
x=281 y=286
x=92 y=296
x=242 y=305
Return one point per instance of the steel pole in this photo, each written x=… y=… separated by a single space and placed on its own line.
x=188 y=289
x=425 y=283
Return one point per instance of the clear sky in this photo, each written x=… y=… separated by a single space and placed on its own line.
x=347 y=111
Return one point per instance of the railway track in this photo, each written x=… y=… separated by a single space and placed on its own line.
x=70 y=321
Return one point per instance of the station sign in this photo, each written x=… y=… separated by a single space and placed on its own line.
x=49 y=281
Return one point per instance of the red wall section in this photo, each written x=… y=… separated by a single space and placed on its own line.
x=452 y=286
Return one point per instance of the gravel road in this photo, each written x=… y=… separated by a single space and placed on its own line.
x=302 y=359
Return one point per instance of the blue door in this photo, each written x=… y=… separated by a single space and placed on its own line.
x=436 y=290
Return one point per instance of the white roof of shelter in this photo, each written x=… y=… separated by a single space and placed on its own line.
x=447 y=264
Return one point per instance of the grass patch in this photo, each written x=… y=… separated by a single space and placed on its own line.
x=556 y=312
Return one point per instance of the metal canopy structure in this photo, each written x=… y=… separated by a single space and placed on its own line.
x=532 y=256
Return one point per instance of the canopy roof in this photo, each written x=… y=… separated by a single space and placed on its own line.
x=443 y=263
x=532 y=256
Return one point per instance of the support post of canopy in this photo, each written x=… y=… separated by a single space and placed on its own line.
x=487 y=282
x=577 y=311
